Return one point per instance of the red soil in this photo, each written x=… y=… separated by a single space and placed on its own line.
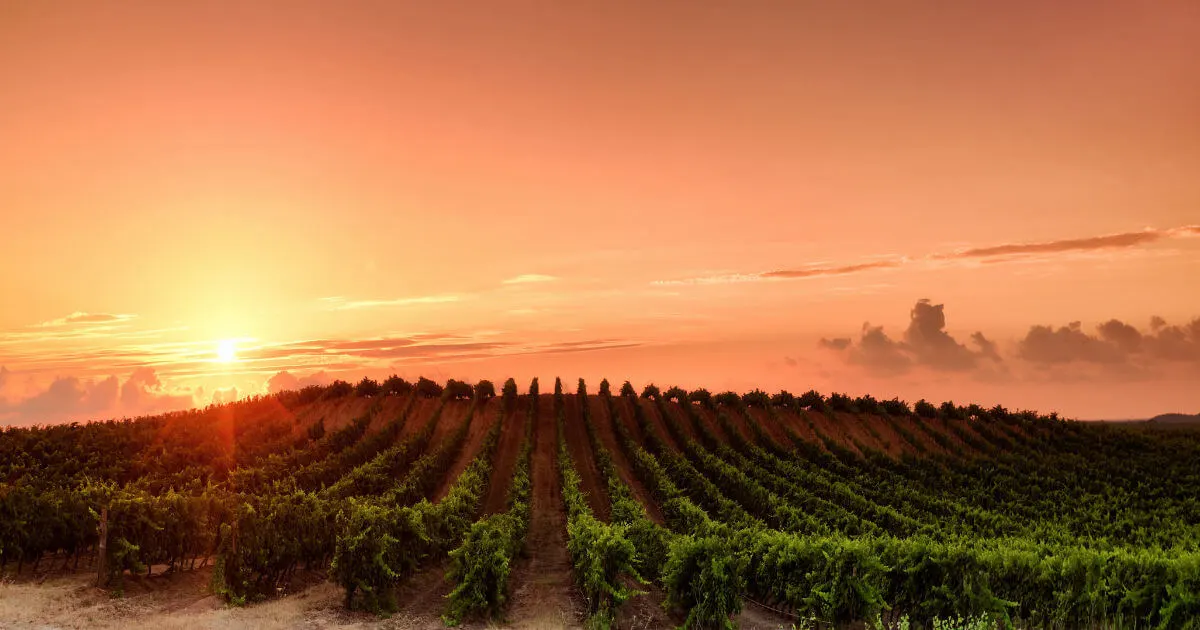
x=512 y=438
x=651 y=411
x=581 y=453
x=770 y=425
x=485 y=418
x=604 y=430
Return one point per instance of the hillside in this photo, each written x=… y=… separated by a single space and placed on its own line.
x=1175 y=419
x=761 y=509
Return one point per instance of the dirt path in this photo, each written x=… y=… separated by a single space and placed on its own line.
x=512 y=438
x=581 y=453
x=544 y=594
x=485 y=418
x=604 y=431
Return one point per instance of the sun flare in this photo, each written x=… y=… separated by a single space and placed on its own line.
x=226 y=351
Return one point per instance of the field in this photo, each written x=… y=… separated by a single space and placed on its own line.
x=418 y=505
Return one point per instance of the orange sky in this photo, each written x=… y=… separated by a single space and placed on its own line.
x=689 y=193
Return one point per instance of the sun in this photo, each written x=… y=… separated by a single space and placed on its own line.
x=226 y=351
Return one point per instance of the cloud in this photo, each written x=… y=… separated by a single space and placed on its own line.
x=84 y=319
x=530 y=278
x=998 y=253
x=925 y=343
x=74 y=398
x=285 y=381
x=343 y=304
x=814 y=271
x=1115 y=343
x=1122 y=240
x=225 y=395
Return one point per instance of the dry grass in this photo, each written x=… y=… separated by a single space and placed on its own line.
x=183 y=601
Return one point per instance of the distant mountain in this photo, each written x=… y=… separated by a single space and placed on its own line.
x=1175 y=419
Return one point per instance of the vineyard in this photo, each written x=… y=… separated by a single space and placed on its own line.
x=619 y=508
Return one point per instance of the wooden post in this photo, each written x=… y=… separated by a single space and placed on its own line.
x=102 y=556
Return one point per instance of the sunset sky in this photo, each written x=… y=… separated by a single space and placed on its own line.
x=207 y=200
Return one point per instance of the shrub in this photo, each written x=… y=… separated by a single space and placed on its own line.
x=366 y=388
x=704 y=576
x=757 y=398
x=338 y=389
x=458 y=390
x=484 y=390
x=651 y=392
x=627 y=390
x=925 y=409
x=678 y=394
x=427 y=388
x=701 y=396
x=729 y=399
x=895 y=407
x=509 y=394
x=605 y=388
x=951 y=411
x=783 y=399
x=396 y=386
x=841 y=402
x=867 y=404
x=812 y=400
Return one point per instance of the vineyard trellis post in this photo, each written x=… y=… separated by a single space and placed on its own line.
x=102 y=554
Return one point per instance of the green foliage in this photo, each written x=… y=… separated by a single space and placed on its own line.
x=509 y=394
x=702 y=397
x=428 y=389
x=757 y=398
x=729 y=399
x=605 y=388
x=677 y=394
x=481 y=565
x=705 y=576
x=811 y=400
x=338 y=389
x=485 y=389
x=367 y=387
x=783 y=399
x=925 y=409
x=651 y=392
x=458 y=390
x=396 y=386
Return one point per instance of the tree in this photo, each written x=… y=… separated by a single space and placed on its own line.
x=651 y=392
x=605 y=388
x=484 y=390
x=627 y=390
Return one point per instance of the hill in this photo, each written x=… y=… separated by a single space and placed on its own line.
x=327 y=506
x=1175 y=419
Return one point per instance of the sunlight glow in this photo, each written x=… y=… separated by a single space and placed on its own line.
x=226 y=351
